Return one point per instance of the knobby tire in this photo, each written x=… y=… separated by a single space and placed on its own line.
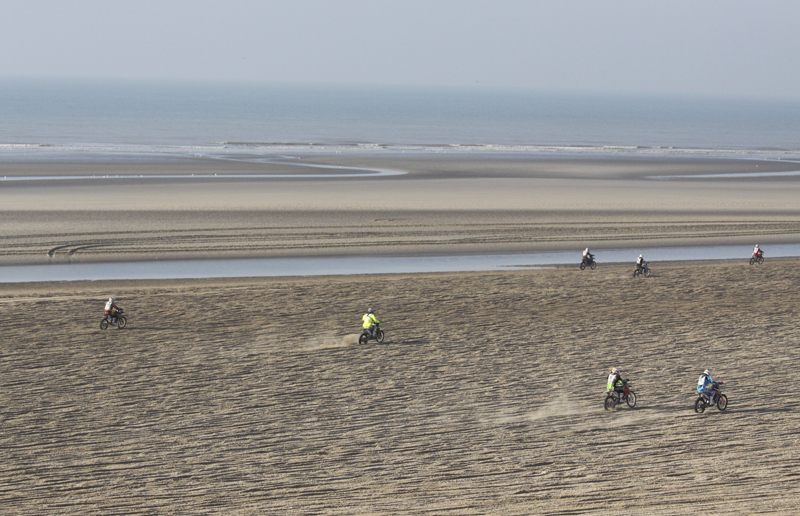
x=700 y=405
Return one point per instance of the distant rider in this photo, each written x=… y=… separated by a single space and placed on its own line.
x=587 y=256
x=706 y=386
x=370 y=322
x=758 y=252
x=640 y=263
x=112 y=310
x=615 y=382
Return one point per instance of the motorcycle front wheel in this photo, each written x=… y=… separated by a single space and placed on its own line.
x=647 y=273
x=363 y=338
x=631 y=401
x=700 y=405
x=609 y=403
x=592 y=265
x=121 y=322
x=379 y=336
x=722 y=402
x=760 y=261
x=104 y=324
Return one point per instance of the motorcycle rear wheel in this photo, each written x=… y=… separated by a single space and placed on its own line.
x=610 y=403
x=722 y=402
x=631 y=401
x=635 y=273
x=583 y=266
x=104 y=324
x=121 y=322
x=700 y=405
x=752 y=261
x=363 y=339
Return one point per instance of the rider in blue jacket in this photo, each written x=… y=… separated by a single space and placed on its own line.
x=706 y=385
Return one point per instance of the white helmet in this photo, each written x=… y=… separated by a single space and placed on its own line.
x=706 y=373
x=640 y=256
x=615 y=370
x=110 y=299
x=586 y=250
x=370 y=311
x=756 y=245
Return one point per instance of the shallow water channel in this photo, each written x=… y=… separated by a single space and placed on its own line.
x=352 y=265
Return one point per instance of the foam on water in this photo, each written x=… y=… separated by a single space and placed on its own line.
x=267 y=152
x=163 y=117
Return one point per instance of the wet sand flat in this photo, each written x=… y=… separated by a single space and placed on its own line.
x=250 y=396
x=442 y=205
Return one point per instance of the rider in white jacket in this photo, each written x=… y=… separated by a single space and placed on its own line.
x=111 y=309
x=706 y=385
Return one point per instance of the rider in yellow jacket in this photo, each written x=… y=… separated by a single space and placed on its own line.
x=370 y=321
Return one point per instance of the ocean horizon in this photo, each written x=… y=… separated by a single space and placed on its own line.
x=47 y=119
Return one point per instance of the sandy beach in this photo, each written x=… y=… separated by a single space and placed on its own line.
x=462 y=204
x=252 y=396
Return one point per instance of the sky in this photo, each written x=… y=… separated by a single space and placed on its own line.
x=699 y=47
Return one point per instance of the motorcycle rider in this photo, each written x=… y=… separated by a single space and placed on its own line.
x=706 y=386
x=370 y=322
x=112 y=310
x=587 y=256
x=758 y=252
x=640 y=263
x=615 y=382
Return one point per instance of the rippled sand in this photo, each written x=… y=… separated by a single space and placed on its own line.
x=253 y=397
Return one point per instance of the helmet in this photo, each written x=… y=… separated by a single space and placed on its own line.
x=615 y=370
x=706 y=373
x=111 y=299
x=370 y=311
x=640 y=256
x=586 y=250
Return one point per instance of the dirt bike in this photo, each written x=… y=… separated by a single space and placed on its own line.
x=641 y=271
x=627 y=395
x=366 y=336
x=119 y=320
x=588 y=263
x=718 y=399
x=756 y=259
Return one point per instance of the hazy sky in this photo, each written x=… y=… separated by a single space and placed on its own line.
x=706 y=47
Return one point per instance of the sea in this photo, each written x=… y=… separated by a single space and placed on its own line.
x=66 y=120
